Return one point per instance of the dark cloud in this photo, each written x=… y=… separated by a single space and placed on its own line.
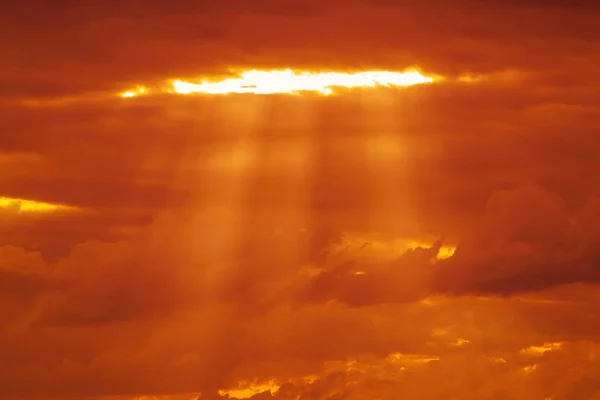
x=103 y=44
x=574 y=5
x=526 y=241
x=530 y=242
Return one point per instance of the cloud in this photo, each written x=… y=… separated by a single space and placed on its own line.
x=110 y=41
x=487 y=378
x=169 y=301
x=528 y=242
x=245 y=278
x=360 y=284
x=223 y=242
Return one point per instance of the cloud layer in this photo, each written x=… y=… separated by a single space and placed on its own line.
x=290 y=242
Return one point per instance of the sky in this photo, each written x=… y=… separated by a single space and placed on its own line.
x=434 y=241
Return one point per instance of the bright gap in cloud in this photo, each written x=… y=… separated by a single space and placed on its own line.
x=29 y=206
x=291 y=82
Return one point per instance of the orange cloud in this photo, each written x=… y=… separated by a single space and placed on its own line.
x=434 y=242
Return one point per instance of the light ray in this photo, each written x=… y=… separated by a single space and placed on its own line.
x=386 y=153
x=293 y=160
